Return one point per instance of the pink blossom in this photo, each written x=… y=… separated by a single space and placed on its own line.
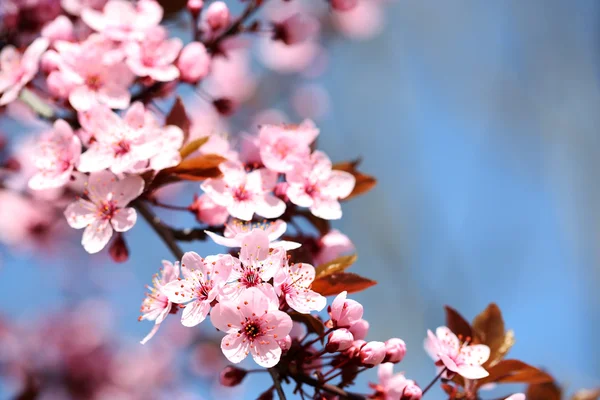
x=333 y=245
x=363 y=21
x=194 y=62
x=256 y=265
x=395 y=349
x=93 y=74
x=285 y=59
x=359 y=329
x=231 y=77
x=343 y=5
x=75 y=7
x=339 y=340
x=201 y=283
x=395 y=387
x=237 y=231
x=293 y=282
x=124 y=21
x=296 y=29
x=208 y=212
x=465 y=360
x=154 y=56
x=195 y=6
x=315 y=185
x=217 y=15
x=61 y=28
x=372 y=353
x=281 y=146
x=56 y=155
x=244 y=194
x=106 y=210
x=132 y=144
x=17 y=70
x=344 y=312
x=516 y=396
x=254 y=325
x=156 y=306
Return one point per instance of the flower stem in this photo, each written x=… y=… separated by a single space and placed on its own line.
x=277 y=383
x=438 y=376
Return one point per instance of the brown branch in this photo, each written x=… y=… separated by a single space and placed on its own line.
x=161 y=229
x=236 y=27
x=327 y=387
x=277 y=383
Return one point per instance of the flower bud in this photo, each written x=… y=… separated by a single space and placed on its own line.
x=372 y=353
x=193 y=62
x=194 y=7
x=411 y=392
x=354 y=350
x=343 y=5
x=57 y=86
x=208 y=212
x=118 y=249
x=232 y=376
x=217 y=15
x=395 y=349
x=339 y=340
x=359 y=329
x=295 y=29
x=59 y=29
x=344 y=312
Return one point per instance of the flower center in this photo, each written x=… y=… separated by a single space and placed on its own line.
x=241 y=194
x=250 y=278
x=107 y=209
x=252 y=330
x=311 y=190
x=93 y=82
x=121 y=148
x=203 y=290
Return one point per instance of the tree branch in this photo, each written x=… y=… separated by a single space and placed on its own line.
x=277 y=383
x=165 y=233
x=326 y=387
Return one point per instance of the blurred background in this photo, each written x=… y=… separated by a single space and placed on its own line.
x=480 y=121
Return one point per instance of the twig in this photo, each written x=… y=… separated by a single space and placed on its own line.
x=277 y=383
x=235 y=27
x=438 y=376
x=326 y=387
x=163 y=231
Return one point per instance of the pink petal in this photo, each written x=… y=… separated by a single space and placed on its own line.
x=180 y=291
x=270 y=206
x=127 y=189
x=80 y=214
x=192 y=261
x=470 y=372
x=166 y=73
x=151 y=334
x=124 y=219
x=243 y=210
x=100 y=186
x=266 y=353
x=226 y=318
x=96 y=236
x=94 y=19
x=339 y=185
x=297 y=195
x=194 y=313
x=326 y=209
x=235 y=348
x=114 y=96
x=223 y=241
x=254 y=246
x=82 y=98
x=96 y=158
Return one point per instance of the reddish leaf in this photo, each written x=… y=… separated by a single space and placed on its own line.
x=457 y=323
x=489 y=329
x=543 y=391
x=200 y=167
x=514 y=371
x=340 y=264
x=364 y=182
x=192 y=146
x=334 y=284
x=178 y=117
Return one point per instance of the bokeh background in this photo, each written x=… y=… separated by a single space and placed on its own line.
x=480 y=120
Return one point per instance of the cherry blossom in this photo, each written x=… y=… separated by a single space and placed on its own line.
x=17 y=70
x=121 y=20
x=466 y=360
x=156 y=306
x=75 y=7
x=92 y=73
x=296 y=29
x=344 y=312
x=61 y=28
x=132 y=144
x=193 y=62
x=208 y=212
x=254 y=325
x=516 y=396
x=56 y=155
x=372 y=353
x=339 y=340
x=394 y=387
x=202 y=282
x=293 y=283
x=315 y=185
x=236 y=231
x=106 y=210
x=244 y=194
x=333 y=245
x=395 y=350
x=283 y=145
x=154 y=56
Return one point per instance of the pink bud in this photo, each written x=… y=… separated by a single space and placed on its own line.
x=193 y=62
x=217 y=15
x=232 y=376
x=411 y=392
x=59 y=29
x=339 y=340
x=343 y=5
x=296 y=29
x=395 y=349
x=57 y=85
x=360 y=329
x=372 y=353
x=195 y=6
x=344 y=312
x=285 y=343
x=118 y=249
x=354 y=350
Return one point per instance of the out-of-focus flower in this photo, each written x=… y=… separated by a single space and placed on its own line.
x=194 y=62
x=310 y=101
x=372 y=353
x=75 y=7
x=202 y=281
x=217 y=15
x=244 y=194
x=209 y=212
x=17 y=70
x=154 y=56
x=395 y=349
x=295 y=29
x=463 y=359
x=363 y=21
x=61 y=28
x=106 y=210
x=516 y=396
x=281 y=146
x=343 y=5
x=124 y=21
x=315 y=185
x=253 y=325
x=333 y=245
x=236 y=232
x=232 y=376
x=293 y=283
x=344 y=312
x=156 y=306
x=395 y=387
